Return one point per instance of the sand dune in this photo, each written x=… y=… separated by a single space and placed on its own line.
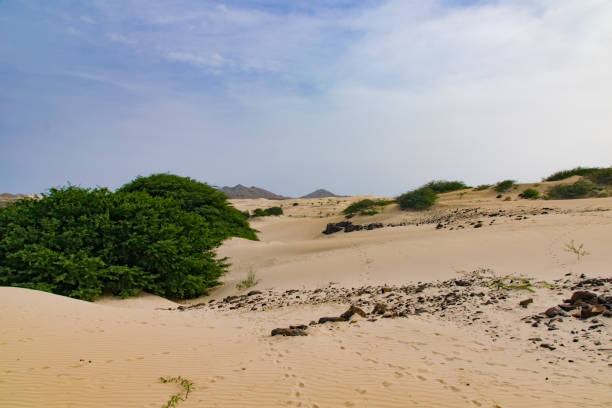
x=60 y=352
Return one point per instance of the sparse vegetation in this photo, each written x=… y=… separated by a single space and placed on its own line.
x=367 y=206
x=258 y=212
x=507 y=282
x=419 y=199
x=601 y=176
x=579 y=250
x=443 y=186
x=578 y=171
x=579 y=189
x=185 y=384
x=504 y=186
x=530 y=194
x=83 y=242
x=482 y=187
x=250 y=281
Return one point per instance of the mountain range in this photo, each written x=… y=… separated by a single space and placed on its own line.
x=240 y=191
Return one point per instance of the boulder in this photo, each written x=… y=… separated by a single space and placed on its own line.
x=288 y=332
x=352 y=311
x=526 y=302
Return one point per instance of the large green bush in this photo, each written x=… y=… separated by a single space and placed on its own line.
x=578 y=189
x=193 y=196
x=419 y=199
x=84 y=242
x=504 y=186
x=443 y=186
x=601 y=176
x=578 y=171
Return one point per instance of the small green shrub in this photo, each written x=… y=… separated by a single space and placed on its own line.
x=504 y=186
x=295 y=204
x=419 y=199
x=250 y=281
x=482 y=187
x=443 y=186
x=578 y=171
x=258 y=212
x=601 y=176
x=185 y=384
x=530 y=194
x=579 y=189
x=366 y=206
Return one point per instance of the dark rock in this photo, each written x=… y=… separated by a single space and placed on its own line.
x=379 y=308
x=583 y=296
x=589 y=311
x=567 y=307
x=554 y=311
x=462 y=283
x=524 y=303
x=299 y=327
x=288 y=332
x=331 y=319
x=254 y=292
x=548 y=346
x=352 y=311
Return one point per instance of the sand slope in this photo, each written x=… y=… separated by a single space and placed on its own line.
x=60 y=352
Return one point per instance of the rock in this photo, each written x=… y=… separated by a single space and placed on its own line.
x=379 y=308
x=254 y=292
x=299 y=327
x=583 y=296
x=567 y=307
x=288 y=332
x=332 y=229
x=548 y=346
x=462 y=283
x=589 y=311
x=524 y=303
x=352 y=311
x=554 y=311
x=331 y=319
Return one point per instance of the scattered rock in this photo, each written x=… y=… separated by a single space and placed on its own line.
x=526 y=302
x=288 y=332
x=352 y=311
x=379 y=308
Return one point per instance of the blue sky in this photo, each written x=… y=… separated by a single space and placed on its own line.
x=359 y=97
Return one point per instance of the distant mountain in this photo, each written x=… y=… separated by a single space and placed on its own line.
x=6 y=197
x=240 y=191
x=320 y=193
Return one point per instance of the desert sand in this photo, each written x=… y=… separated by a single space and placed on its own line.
x=481 y=350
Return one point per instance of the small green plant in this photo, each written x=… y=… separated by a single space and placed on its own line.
x=579 y=250
x=250 y=281
x=367 y=206
x=258 y=212
x=482 y=187
x=444 y=186
x=578 y=189
x=295 y=204
x=530 y=194
x=491 y=279
x=186 y=385
x=419 y=199
x=461 y=194
x=504 y=186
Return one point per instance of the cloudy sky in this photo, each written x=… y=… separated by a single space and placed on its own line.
x=359 y=97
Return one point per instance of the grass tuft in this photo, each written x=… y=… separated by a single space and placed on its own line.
x=186 y=385
x=250 y=281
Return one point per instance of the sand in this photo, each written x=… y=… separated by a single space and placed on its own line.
x=61 y=352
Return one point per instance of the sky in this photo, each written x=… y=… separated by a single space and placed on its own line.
x=358 y=97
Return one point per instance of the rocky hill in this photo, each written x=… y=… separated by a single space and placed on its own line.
x=320 y=193
x=240 y=191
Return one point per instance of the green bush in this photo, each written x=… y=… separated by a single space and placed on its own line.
x=258 y=212
x=504 y=186
x=601 y=176
x=443 y=186
x=366 y=206
x=578 y=189
x=83 y=242
x=419 y=199
x=193 y=196
x=530 y=194
x=482 y=187
x=578 y=171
